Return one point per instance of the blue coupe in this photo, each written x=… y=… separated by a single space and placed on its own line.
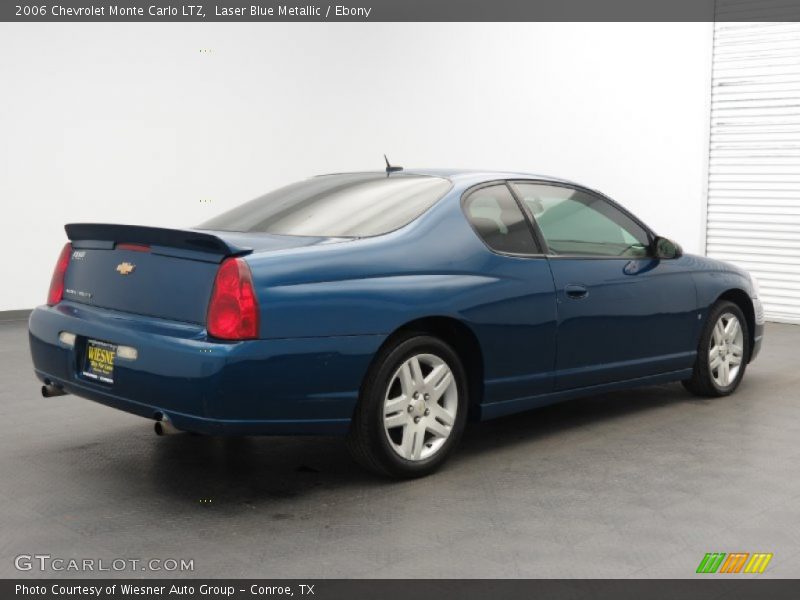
x=388 y=307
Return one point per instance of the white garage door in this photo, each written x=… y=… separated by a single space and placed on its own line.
x=754 y=163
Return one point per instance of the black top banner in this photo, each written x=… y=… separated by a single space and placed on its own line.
x=401 y=10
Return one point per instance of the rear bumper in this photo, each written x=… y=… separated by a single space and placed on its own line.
x=281 y=386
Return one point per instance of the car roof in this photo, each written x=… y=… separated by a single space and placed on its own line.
x=470 y=175
x=458 y=174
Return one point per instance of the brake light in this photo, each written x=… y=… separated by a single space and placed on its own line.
x=133 y=247
x=56 y=293
x=233 y=310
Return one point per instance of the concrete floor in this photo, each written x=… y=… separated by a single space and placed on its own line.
x=635 y=484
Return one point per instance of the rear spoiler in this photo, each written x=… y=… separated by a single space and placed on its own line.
x=88 y=234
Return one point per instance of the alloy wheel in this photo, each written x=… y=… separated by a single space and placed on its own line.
x=419 y=408
x=726 y=350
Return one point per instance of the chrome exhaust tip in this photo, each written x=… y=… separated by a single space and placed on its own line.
x=163 y=426
x=51 y=391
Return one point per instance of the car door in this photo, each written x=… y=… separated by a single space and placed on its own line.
x=622 y=313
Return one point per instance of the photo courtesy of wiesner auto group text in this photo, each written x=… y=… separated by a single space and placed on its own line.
x=401 y=300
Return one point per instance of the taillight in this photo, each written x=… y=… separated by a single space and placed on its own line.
x=233 y=310
x=56 y=293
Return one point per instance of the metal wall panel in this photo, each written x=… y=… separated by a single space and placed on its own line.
x=753 y=217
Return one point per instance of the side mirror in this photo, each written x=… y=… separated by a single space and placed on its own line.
x=666 y=248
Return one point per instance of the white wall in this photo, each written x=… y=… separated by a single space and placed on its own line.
x=133 y=123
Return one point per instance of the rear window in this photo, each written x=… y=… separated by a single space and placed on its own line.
x=347 y=205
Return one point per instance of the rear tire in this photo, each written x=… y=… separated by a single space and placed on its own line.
x=723 y=352
x=412 y=408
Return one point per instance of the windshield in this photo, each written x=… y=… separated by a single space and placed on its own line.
x=346 y=205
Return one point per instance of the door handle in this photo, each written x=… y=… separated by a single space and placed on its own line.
x=576 y=291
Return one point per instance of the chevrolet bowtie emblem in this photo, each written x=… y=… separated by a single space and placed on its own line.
x=125 y=268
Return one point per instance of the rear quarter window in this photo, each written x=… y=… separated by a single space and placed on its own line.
x=497 y=219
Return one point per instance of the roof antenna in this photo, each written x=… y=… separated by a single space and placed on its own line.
x=391 y=168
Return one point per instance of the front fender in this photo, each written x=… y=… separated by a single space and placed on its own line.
x=715 y=277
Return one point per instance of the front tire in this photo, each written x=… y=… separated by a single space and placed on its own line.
x=723 y=353
x=412 y=408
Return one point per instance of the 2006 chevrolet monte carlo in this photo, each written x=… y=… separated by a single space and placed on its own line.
x=388 y=307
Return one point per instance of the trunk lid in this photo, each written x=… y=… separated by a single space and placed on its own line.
x=166 y=273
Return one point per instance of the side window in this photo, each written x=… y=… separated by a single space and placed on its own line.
x=497 y=219
x=574 y=222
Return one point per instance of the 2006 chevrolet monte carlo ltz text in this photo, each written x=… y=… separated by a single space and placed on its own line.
x=388 y=307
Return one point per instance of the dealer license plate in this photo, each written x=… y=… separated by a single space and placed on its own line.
x=99 y=361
